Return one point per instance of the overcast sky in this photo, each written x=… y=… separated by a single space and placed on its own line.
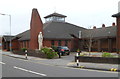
x=84 y=13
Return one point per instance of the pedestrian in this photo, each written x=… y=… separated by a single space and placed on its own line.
x=59 y=53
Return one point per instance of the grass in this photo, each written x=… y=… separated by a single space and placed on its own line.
x=100 y=54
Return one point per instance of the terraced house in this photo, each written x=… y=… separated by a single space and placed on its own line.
x=57 y=32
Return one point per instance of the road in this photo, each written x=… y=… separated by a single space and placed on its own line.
x=14 y=67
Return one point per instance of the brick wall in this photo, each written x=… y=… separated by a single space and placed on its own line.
x=47 y=43
x=72 y=44
x=104 y=45
x=118 y=34
x=24 y=44
x=15 y=44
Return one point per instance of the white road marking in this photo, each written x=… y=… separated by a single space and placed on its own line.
x=1 y=62
x=70 y=67
x=29 y=71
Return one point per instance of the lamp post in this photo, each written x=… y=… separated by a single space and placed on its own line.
x=10 y=27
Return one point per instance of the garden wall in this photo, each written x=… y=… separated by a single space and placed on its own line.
x=31 y=53
x=106 y=60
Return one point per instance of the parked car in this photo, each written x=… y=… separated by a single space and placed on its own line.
x=63 y=50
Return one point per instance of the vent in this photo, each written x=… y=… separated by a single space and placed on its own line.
x=80 y=34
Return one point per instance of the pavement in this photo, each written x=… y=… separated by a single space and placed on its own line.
x=67 y=63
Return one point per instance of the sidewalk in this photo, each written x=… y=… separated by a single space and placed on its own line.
x=67 y=63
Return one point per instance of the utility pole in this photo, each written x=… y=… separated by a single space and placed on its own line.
x=10 y=30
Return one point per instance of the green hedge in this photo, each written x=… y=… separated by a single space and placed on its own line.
x=54 y=47
x=49 y=52
x=23 y=49
x=107 y=55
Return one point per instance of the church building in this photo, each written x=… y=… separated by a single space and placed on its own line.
x=57 y=32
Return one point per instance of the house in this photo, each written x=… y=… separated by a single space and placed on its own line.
x=57 y=32
x=6 y=39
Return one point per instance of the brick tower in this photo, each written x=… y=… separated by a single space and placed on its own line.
x=118 y=31
x=36 y=26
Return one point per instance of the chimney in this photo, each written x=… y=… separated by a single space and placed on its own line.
x=94 y=27
x=103 y=25
x=113 y=24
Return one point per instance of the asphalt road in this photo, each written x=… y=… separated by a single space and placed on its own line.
x=13 y=67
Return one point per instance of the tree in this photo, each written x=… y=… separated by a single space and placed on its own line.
x=90 y=40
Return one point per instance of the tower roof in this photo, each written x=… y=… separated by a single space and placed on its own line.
x=116 y=15
x=55 y=14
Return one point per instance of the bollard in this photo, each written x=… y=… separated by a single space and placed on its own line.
x=26 y=54
x=77 y=63
x=77 y=59
x=113 y=69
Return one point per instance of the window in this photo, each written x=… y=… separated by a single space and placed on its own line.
x=66 y=42
x=24 y=44
x=28 y=44
x=55 y=18
x=52 y=42
x=59 y=43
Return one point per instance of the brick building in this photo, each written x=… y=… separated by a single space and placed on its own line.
x=117 y=31
x=6 y=42
x=57 y=32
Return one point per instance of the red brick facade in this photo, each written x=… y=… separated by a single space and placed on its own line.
x=71 y=43
x=118 y=34
x=36 y=26
x=24 y=44
x=105 y=45
x=15 y=44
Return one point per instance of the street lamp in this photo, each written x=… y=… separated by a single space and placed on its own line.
x=10 y=28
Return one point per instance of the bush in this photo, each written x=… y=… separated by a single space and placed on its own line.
x=45 y=50
x=54 y=47
x=23 y=49
x=106 y=55
x=51 y=55
x=49 y=52
x=78 y=50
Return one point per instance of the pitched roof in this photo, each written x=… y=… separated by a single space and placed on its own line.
x=23 y=36
x=116 y=15
x=63 y=30
x=55 y=14
x=60 y=30
x=100 y=32
x=7 y=37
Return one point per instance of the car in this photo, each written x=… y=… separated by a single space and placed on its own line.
x=63 y=50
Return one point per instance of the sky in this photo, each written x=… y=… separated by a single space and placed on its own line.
x=84 y=13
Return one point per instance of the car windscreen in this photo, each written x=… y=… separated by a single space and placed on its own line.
x=66 y=48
